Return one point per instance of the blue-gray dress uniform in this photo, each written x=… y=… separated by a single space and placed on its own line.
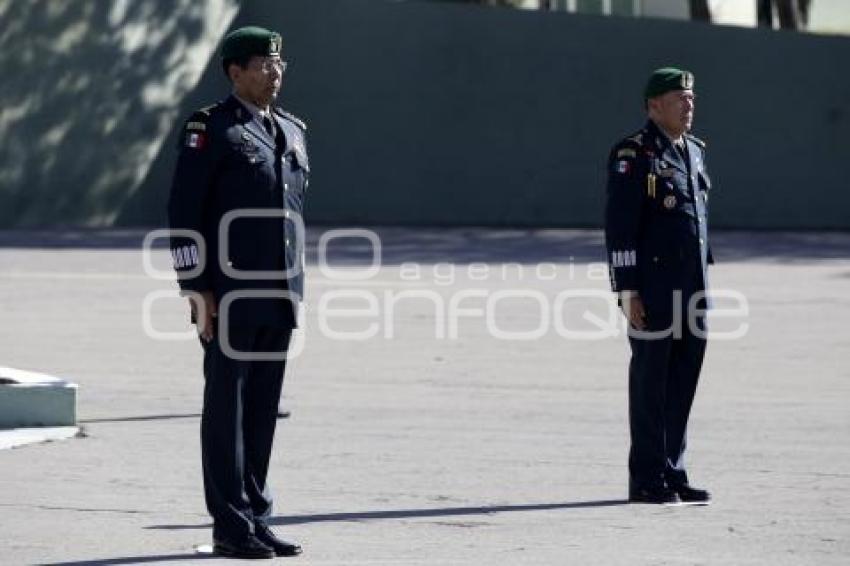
x=657 y=243
x=228 y=162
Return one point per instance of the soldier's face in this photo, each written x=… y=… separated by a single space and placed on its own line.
x=674 y=111
x=259 y=82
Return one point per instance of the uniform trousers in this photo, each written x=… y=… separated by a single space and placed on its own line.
x=237 y=428
x=663 y=375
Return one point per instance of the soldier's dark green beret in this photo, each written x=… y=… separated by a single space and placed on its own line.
x=248 y=41
x=667 y=79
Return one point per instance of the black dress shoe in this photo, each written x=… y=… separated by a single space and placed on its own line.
x=281 y=547
x=248 y=546
x=660 y=495
x=692 y=495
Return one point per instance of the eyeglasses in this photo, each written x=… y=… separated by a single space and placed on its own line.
x=267 y=64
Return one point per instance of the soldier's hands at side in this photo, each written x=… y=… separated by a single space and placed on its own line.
x=633 y=309
x=204 y=314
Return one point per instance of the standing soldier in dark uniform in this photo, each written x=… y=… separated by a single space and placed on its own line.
x=658 y=253
x=237 y=240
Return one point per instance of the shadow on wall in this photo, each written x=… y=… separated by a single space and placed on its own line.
x=101 y=83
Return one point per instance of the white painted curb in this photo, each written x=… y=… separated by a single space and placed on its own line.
x=29 y=399
x=21 y=436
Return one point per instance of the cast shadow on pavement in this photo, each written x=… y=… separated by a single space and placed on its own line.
x=415 y=513
x=398 y=245
x=331 y=517
x=133 y=560
x=140 y=418
x=446 y=512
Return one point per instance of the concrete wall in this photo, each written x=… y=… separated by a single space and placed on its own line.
x=432 y=113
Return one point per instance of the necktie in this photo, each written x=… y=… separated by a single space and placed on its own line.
x=267 y=124
x=683 y=153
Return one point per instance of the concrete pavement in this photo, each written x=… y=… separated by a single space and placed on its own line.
x=406 y=448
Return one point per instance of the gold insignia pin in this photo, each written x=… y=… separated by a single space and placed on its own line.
x=650 y=185
x=669 y=202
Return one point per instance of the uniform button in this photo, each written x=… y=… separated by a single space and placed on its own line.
x=701 y=241
x=655 y=259
x=285 y=186
x=286 y=241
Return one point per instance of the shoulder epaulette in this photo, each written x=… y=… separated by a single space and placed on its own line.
x=696 y=140
x=199 y=118
x=637 y=138
x=206 y=110
x=291 y=117
x=630 y=146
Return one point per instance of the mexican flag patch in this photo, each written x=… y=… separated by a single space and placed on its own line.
x=196 y=140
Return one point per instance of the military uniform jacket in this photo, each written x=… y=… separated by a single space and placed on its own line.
x=655 y=219
x=229 y=166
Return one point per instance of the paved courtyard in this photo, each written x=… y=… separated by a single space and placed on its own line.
x=460 y=403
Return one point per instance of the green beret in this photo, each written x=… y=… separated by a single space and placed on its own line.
x=248 y=41
x=667 y=79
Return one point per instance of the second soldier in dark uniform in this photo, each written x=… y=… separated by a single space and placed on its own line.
x=234 y=211
x=657 y=243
